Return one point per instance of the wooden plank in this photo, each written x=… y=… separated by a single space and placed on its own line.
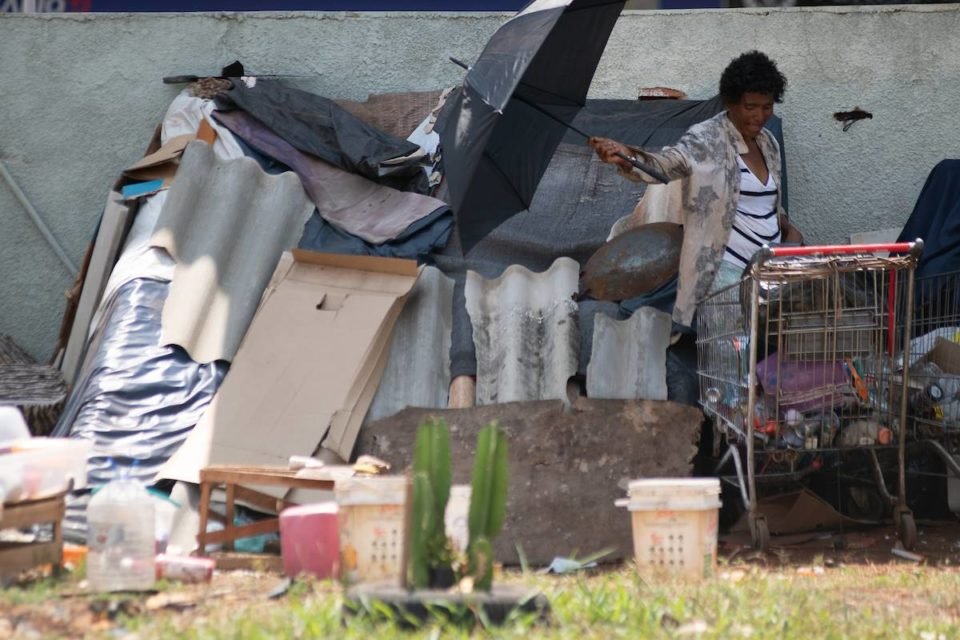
x=23 y=514
x=228 y=528
x=204 y=513
x=228 y=473
x=261 y=477
x=16 y=558
x=263 y=502
x=231 y=534
x=260 y=562
x=113 y=229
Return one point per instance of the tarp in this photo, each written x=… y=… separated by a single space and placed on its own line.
x=135 y=398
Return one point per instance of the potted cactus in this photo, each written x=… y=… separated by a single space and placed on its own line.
x=431 y=554
x=488 y=503
x=432 y=559
x=433 y=566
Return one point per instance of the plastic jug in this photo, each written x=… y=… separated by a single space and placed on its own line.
x=121 y=552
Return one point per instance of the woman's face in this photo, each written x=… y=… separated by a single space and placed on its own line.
x=751 y=113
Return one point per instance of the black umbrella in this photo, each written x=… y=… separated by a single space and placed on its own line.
x=499 y=132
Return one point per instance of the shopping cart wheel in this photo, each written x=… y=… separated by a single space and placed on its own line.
x=759 y=532
x=907 y=531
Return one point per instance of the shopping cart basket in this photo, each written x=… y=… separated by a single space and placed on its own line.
x=933 y=381
x=797 y=368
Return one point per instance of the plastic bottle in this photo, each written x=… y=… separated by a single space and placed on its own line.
x=121 y=552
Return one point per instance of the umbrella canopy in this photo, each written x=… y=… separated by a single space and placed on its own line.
x=500 y=131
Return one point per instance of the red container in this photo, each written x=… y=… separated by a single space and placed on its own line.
x=309 y=540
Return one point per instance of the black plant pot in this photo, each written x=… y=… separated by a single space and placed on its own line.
x=412 y=608
x=441 y=577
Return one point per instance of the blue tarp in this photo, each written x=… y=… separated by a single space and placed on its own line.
x=936 y=219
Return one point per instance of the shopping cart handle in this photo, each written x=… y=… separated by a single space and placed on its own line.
x=915 y=247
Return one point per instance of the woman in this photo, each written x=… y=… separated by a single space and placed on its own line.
x=729 y=203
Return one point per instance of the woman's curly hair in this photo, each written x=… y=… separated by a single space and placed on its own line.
x=752 y=72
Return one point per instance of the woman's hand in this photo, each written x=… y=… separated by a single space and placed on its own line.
x=608 y=149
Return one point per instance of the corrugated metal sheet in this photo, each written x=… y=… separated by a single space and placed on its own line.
x=629 y=357
x=418 y=368
x=226 y=223
x=525 y=332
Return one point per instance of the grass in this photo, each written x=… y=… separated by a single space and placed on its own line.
x=743 y=601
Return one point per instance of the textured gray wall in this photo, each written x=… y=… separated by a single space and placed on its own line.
x=80 y=96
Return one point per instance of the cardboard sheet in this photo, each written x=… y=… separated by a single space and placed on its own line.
x=946 y=355
x=799 y=512
x=308 y=366
x=160 y=167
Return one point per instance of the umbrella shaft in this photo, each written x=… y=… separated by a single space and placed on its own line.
x=639 y=165
x=551 y=115
x=645 y=168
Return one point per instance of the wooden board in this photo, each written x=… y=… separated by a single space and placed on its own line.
x=16 y=557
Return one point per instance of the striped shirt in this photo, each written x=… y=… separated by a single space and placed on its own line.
x=756 y=222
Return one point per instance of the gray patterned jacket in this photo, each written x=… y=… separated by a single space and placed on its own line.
x=705 y=163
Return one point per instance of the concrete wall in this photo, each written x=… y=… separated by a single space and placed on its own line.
x=80 y=96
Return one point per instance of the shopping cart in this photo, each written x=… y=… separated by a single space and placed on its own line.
x=933 y=380
x=797 y=368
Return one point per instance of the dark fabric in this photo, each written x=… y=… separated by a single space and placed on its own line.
x=683 y=384
x=587 y=310
x=318 y=126
x=577 y=201
x=418 y=241
x=496 y=140
x=352 y=203
x=936 y=219
x=661 y=298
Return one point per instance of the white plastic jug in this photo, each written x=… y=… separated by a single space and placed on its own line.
x=121 y=552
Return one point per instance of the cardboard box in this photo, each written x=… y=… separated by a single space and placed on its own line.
x=946 y=355
x=308 y=366
x=156 y=171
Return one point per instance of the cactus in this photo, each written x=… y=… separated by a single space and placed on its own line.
x=432 y=456
x=421 y=526
x=488 y=502
x=431 y=490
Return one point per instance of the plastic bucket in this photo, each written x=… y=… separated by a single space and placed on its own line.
x=370 y=519
x=674 y=526
x=456 y=516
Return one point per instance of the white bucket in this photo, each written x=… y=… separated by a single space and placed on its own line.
x=370 y=521
x=674 y=525
x=456 y=516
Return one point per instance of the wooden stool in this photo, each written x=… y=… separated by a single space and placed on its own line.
x=232 y=477
x=17 y=556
